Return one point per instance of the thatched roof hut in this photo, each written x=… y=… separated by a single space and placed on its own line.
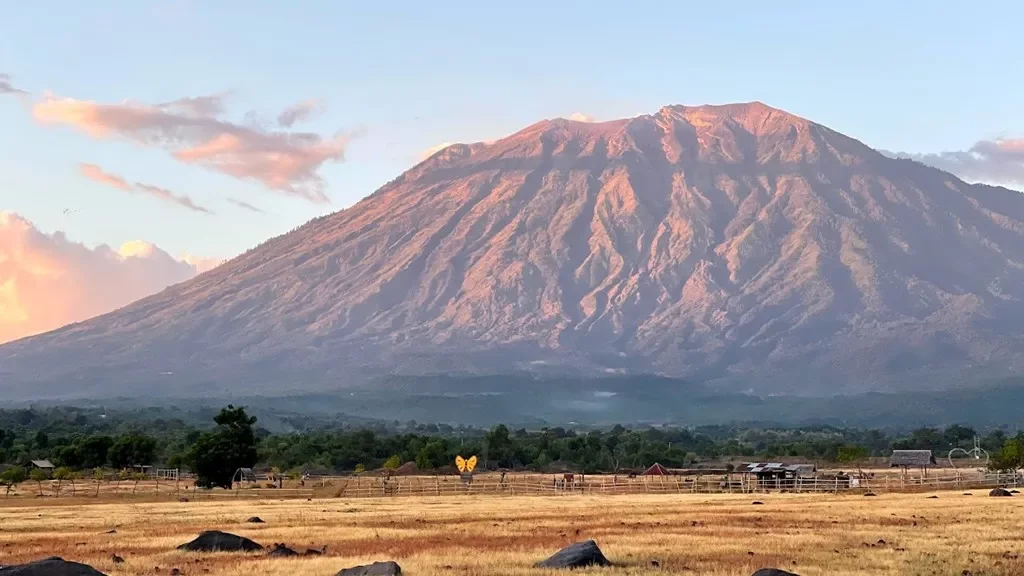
x=912 y=459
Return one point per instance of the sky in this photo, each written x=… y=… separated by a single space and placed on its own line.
x=186 y=132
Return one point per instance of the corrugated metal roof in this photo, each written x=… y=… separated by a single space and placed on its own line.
x=42 y=464
x=759 y=467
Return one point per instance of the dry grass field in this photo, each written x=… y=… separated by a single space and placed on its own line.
x=810 y=534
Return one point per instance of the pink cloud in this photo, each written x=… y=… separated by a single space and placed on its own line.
x=48 y=281
x=193 y=131
x=300 y=112
x=998 y=161
x=97 y=174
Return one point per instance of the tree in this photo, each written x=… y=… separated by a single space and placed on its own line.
x=132 y=450
x=217 y=455
x=434 y=454
x=38 y=476
x=851 y=453
x=97 y=476
x=11 y=478
x=393 y=463
x=60 y=475
x=1011 y=456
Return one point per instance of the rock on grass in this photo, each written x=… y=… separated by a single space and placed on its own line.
x=51 y=567
x=215 y=541
x=578 y=555
x=375 y=569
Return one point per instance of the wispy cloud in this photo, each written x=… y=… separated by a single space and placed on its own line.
x=97 y=174
x=7 y=86
x=301 y=112
x=246 y=206
x=193 y=131
x=999 y=161
x=581 y=117
x=168 y=196
x=48 y=281
x=434 y=150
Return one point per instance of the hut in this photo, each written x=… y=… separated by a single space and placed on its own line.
x=656 y=470
x=906 y=459
x=44 y=465
x=777 y=474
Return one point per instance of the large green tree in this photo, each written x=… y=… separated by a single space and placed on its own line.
x=217 y=455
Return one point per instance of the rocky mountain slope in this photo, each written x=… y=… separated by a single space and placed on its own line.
x=738 y=245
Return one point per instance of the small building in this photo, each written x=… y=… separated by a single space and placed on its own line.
x=907 y=459
x=777 y=474
x=43 y=465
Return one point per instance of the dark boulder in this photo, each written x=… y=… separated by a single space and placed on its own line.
x=215 y=541
x=255 y=520
x=772 y=572
x=375 y=569
x=51 y=567
x=578 y=555
x=1000 y=492
x=869 y=494
x=282 y=551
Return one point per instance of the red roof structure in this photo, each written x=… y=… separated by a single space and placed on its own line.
x=656 y=470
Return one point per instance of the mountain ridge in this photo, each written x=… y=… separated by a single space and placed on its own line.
x=736 y=244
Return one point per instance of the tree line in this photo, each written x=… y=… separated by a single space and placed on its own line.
x=236 y=441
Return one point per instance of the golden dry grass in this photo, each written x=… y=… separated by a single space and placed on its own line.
x=491 y=535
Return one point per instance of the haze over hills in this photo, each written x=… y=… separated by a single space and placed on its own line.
x=738 y=246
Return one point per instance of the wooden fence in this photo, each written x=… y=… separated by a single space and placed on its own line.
x=370 y=487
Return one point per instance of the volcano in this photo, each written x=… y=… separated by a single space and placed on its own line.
x=737 y=245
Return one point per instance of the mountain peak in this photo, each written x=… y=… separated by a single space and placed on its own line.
x=738 y=244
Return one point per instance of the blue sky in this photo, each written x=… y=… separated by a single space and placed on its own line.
x=911 y=76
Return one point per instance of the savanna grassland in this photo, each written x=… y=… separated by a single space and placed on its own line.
x=808 y=534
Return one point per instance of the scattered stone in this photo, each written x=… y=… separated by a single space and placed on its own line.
x=111 y=532
x=1000 y=492
x=968 y=494
x=869 y=494
x=655 y=564
x=757 y=503
x=175 y=572
x=282 y=551
x=53 y=566
x=255 y=520
x=216 y=541
x=578 y=555
x=933 y=497
x=772 y=572
x=116 y=559
x=182 y=499
x=375 y=569
x=880 y=542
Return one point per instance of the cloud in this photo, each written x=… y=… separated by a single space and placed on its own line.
x=48 y=281
x=97 y=174
x=581 y=117
x=7 y=87
x=300 y=112
x=246 y=206
x=999 y=161
x=434 y=150
x=193 y=131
